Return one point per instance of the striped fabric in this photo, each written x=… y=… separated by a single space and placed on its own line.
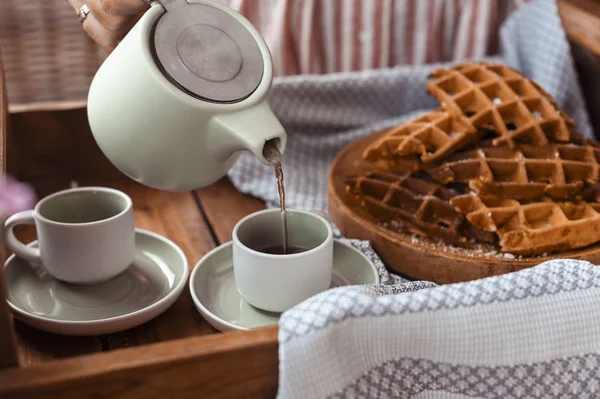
x=48 y=57
x=324 y=36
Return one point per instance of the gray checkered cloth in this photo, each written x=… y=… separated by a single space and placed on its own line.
x=533 y=333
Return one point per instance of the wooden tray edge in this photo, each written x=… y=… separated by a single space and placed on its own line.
x=235 y=364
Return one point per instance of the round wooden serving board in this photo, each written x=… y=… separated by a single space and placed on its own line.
x=416 y=257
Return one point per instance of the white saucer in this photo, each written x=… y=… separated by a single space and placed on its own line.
x=213 y=289
x=147 y=288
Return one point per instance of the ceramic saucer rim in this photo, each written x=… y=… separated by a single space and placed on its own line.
x=174 y=292
x=205 y=312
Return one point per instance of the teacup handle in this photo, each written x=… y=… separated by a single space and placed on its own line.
x=17 y=247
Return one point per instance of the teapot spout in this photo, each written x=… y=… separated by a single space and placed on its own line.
x=249 y=130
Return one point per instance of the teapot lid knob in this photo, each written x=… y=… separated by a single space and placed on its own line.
x=207 y=52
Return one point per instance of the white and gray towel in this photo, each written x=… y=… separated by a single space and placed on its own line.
x=533 y=333
x=530 y=334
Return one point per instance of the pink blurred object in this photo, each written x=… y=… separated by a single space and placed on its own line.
x=15 y=196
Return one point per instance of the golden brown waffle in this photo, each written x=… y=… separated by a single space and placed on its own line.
x=496 y=97
x=536 y=228
x=417 y=202
x=524 y=172
x=499 y=159
x=430 y=137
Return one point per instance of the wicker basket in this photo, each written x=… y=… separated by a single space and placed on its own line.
x=47 y=56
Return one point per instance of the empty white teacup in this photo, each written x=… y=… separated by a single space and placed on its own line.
x=85 y=235
x=275 y=282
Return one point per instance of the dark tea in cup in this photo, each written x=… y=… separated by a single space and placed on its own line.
x=278 y=249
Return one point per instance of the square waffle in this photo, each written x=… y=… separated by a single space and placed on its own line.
x=428 y=138
x=499 y=161
x=525 y=171
x=496 y=97
x=417 y=203
x=535 y=228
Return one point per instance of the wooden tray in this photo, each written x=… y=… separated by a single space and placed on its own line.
x=176 y=355
x=412 y=256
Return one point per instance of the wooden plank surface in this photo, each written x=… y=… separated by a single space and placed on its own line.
x=8 y=348
x=230 y=365
x=176 y=216
x=8 y=352
x=36 y=347
x=581 y=22
x=224 y=206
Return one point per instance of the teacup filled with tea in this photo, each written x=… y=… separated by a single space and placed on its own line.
x=271 y=277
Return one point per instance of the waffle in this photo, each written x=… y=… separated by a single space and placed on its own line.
x=525 y=172
x=417 y=203
x=500 y=99
x=430 y=137
x=536 y=228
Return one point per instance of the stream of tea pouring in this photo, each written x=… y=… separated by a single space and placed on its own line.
x=272 y=154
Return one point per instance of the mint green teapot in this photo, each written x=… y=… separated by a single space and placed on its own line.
x=183 y=94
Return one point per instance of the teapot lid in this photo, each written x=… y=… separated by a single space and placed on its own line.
x=207 y=52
